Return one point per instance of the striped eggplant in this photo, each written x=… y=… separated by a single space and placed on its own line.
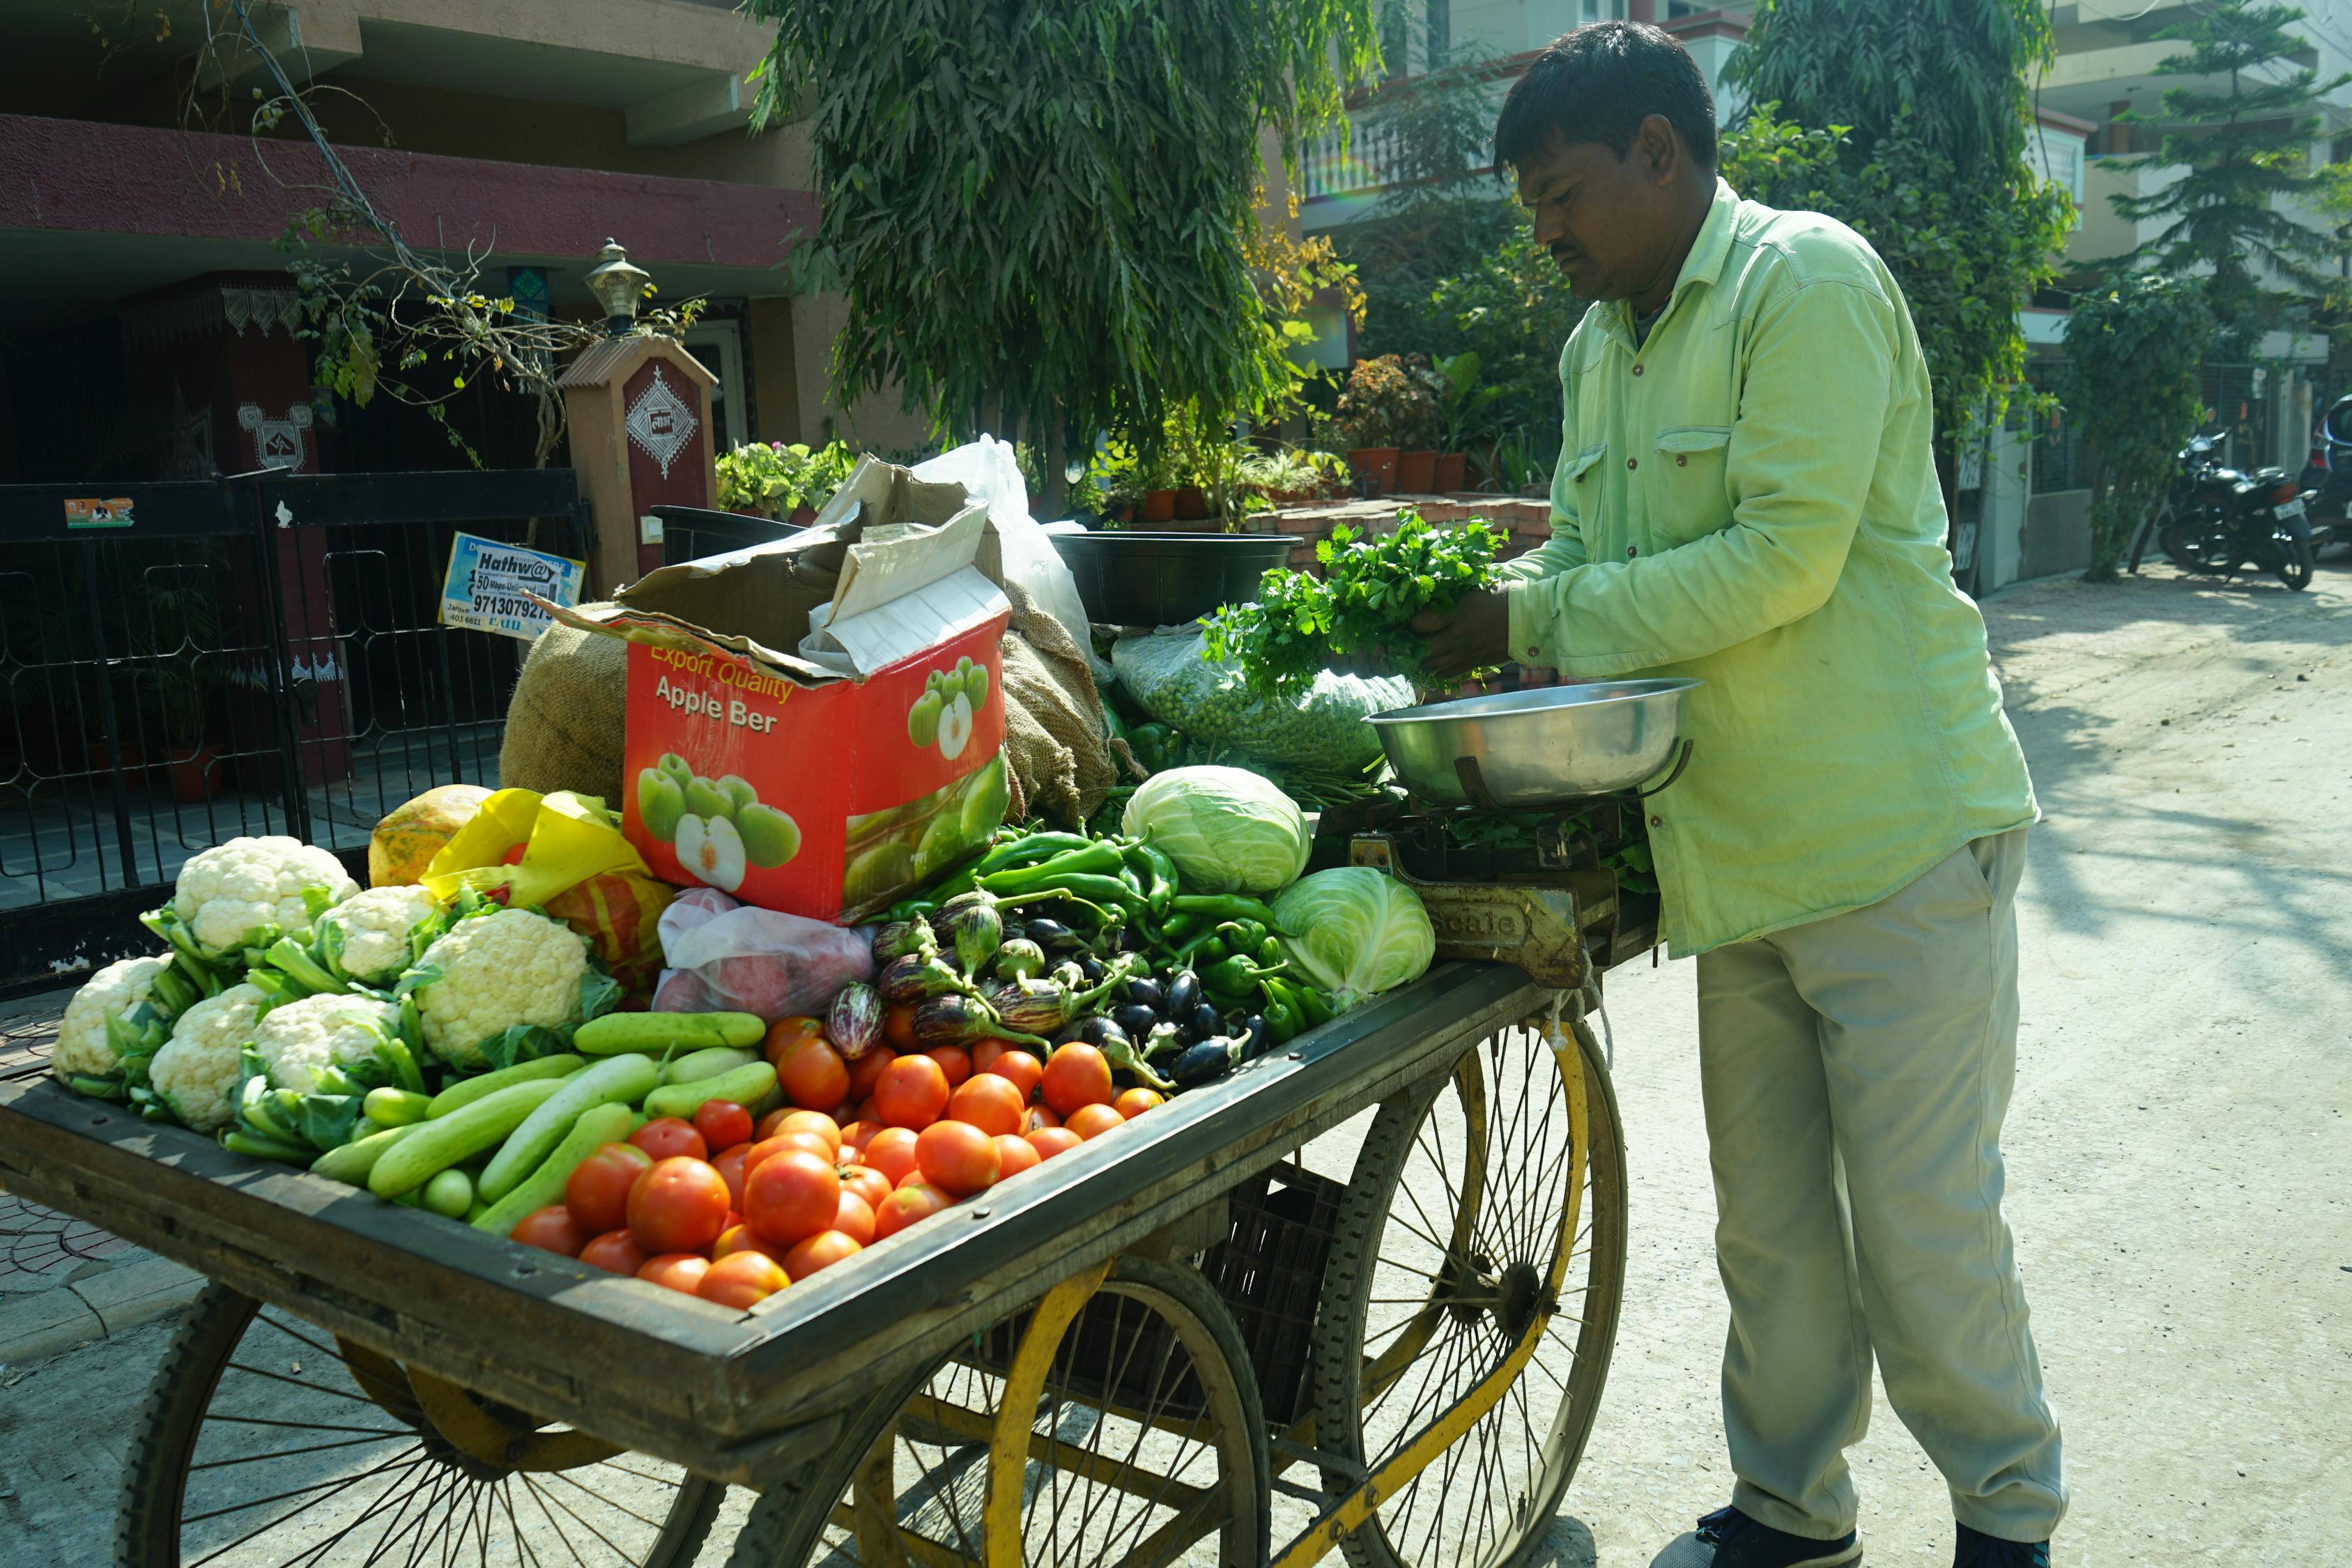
x=854 y=1024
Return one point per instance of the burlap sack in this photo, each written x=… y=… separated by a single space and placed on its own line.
x=1053 y=718
x=565 y=722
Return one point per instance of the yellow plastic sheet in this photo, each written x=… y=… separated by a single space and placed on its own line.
x=562 y=852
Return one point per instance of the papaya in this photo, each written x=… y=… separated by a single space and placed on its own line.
x=410 y=833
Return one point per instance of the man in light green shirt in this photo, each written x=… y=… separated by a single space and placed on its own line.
x=1747 y=495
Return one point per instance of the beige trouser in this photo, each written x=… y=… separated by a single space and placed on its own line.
x=1856 y=1071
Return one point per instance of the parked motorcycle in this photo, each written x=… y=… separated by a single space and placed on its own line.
x=2216 y=519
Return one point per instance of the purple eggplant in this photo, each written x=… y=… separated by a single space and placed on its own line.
x=901 y=938
x=964 y=1021
x=973 y=932
x=1206 y=1062
x=915 y=978
x=854 y=1024
x=1020 y=959
x=1042 y=1006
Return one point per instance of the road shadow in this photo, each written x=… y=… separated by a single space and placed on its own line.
x=1568 y=1544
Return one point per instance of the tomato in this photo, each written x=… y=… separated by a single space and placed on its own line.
x=1093 y=1120
x=815 y=1124
x=866 y=1070
x=865 y=1112
x=668 y=1137
x=986 y=1102
x=722 y=1123
x=867 y=1182
x=912 y=1092
x=855 y=1135
x=956 y=1158
x=729 y=1163
x=597 y=1190
x=741 y=1237
x=679 y=1270
x=1051 y=1141
x=552 y=1229
x=1038 y=1116
x=1075 y=1075
x=898 y=1026
x=812 y=1075
x=1015 y=1154
x=1132 y=1103
x=822 y=1250
x=855 y=1219
x=1016 y=1067
x=741 y=1279
x=679 y=1205
x=614 y=1252
x=892 y=1152
x=786 y=1033
x=793 y=1195
x=954 y=1061
x=905 y=1206
x=913 y=1178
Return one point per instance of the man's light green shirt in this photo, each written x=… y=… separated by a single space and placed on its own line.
x=1749 y=498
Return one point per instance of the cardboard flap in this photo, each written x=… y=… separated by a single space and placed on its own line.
x=905 y=624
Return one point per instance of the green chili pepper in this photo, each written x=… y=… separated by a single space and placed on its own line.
x=1315 y=1006
x=1027 y=850
x=1226 y=907
x=1100 y=858
x=1281 y=1014
x=1158 y=872
x=1082 y=884
x=910 y=910
x=1236 y=974
x=1177 y=929
x=1241 y=936
x=1269 y=951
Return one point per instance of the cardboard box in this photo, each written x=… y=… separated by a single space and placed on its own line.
x=817 y=725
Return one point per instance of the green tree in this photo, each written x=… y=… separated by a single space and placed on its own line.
x=1035 y=208
x=2135 y=352
x=2244 y=148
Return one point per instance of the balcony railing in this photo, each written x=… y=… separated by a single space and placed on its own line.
x=1365 y=166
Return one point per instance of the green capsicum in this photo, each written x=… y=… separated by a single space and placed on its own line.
x=1158 y=872
x=1235 y=976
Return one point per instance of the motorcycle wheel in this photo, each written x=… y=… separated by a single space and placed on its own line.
x=2184 y=544
x=2295 y=558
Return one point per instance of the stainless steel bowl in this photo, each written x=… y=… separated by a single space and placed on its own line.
x=1529 y=749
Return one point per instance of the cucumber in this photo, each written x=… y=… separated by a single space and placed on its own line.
x=389 y=1106
x=432 y=1147
x=598 y=1125
x=353 y=1160
x=622 y=1079
x=708 y=1062
x=449 y=1195
x=744 y=1086
x=655 y=1033
x=465 y=1092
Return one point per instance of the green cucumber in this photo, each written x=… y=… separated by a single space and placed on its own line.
x=622 y=1080
x=656 y=1033
x=434 y=1146
x=744 y=1086
x=708 y=1062
x=465 y=1092
x=389 y=1106
x=353 y=1160
x=598 y=1125
x=449 y=1193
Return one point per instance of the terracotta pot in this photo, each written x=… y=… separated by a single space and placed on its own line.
x=1192 y=500
x=1416 y=473
x=1124 y=516
x=1158 y=506
x=134 y=750
x=197 y=773
x=1453 y=472
x=1377 y=464
x=803 y=515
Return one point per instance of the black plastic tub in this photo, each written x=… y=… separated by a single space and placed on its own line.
x=1129 y=578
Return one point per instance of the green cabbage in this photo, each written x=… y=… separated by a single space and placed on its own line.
x=1228 y=830
x=1355 y=932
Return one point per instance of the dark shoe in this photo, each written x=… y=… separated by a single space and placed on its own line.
x=1975 y=1549
x=1729 y=1539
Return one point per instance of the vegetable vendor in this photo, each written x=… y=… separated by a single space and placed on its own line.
x=1747 y=494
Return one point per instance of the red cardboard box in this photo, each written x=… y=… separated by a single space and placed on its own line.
x=817 y=726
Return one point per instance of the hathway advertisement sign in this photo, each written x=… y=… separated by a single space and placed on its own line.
x=491 y=587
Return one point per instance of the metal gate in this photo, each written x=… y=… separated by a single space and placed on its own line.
x=183 y=663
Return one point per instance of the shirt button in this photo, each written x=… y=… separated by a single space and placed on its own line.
x=1633 y=462
x=1681 y=461
x=1637 y=370
x=1657 y=822
x=1579 y=478
x=1533 y=652
x=1631 y=551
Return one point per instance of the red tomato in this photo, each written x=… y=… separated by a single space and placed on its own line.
x=855 y=1135
x=1133 y=1102
x=956 y=1158
x=552 y=1229
x=822 y=1250
x=913 y=1178
x=868 y=1069
x=741 y=1279
x=1015 y=1154
x=986 y=1102
x=867 y=1182
x=786 y=1033
x=1093 y=1120
x=739 y=1238
x=813 y=1075
x=668 y=1137
x=1076 y=1075
x=614 y=1252
x=597 y=1190
x=905 y=1206
x=729 y=1163
x=679 y=1270
x=1038 y=1116
x=679 y=1205
x=892 y=1152
x=793 y=1195
x=1017 y=1068
x=953 y=1061
x=898 y=1026
x=722 y=1123
x=855 y=1219
x=912 y=1092
x=815 y=1124
x=1051 y=1141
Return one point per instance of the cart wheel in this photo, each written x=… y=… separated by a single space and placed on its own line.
x=1144 y=1445
x=1471 y=1302
x=265 y=1435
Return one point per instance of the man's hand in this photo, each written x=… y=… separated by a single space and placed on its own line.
x=1473 y=634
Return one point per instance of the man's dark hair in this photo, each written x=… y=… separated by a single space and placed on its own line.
x=1598 y=84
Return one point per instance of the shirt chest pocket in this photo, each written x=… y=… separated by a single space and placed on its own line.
x=1688 y=496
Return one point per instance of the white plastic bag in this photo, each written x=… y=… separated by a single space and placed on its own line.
x=751 y=960
x=988 y=473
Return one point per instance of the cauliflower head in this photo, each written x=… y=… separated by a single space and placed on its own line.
x=301 y=1040
x=109 y=1016
x=247 y=892
x=366 y=935
x=496 y=971
x=195 y=1073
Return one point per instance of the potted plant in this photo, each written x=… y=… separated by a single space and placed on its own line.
x=775 y=479
x=1389 y=405
x=1461 y=402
